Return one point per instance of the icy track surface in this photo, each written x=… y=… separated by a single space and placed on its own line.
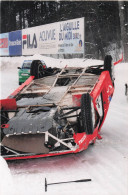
x=106 y=162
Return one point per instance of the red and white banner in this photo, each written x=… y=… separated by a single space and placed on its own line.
x=4 y=49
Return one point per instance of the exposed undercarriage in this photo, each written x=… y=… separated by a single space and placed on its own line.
x=53 y=114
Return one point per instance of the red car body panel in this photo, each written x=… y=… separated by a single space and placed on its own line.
x=103 y=85
x=21 y=87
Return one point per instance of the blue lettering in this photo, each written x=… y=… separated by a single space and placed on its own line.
x=65 y=36
x=68 y=26
x=60 y=28
x=47 y=35
x=77 y=24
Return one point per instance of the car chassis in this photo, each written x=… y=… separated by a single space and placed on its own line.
x=58 y=114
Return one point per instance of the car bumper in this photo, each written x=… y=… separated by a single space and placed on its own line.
x=22 y=79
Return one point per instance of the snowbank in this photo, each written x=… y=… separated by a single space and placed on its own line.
x=106 y=163
x=14 y=62
x=6 y=181
x=8 y=66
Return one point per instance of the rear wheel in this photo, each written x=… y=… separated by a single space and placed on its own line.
x=37 y=69
x=4 y=120
x=126 y=89
x=108 y=65
x=87 y=114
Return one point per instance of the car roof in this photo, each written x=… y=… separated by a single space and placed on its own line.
x=32 y=60
x=27 y=60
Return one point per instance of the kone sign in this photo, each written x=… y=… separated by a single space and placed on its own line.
x=15 y=43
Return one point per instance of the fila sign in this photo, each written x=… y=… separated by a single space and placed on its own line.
x=57 y=38
x=29 y=41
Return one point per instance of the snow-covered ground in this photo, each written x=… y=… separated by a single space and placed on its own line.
x=106 y=162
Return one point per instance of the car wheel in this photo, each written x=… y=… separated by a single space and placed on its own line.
x=126 y=89
x=20 y=83
x=87 y=114
x=37 y=69
x=4 y=120
x=108 y=65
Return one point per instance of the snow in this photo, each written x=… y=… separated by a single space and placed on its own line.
x=106 y=162
x=6 y=180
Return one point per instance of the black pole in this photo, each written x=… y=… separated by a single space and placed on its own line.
x=81 y=180
x=45 y=185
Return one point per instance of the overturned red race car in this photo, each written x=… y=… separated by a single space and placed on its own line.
x=56 y=111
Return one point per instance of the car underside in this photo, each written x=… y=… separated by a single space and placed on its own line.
x=59 y=112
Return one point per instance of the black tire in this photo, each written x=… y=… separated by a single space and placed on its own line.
x=126 y=89
x=108 y=65
x=87 y=114
x=37 y=69
x=20 y=83
x=79 y=126
x=4 y=120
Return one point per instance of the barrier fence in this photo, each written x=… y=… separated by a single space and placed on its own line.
x=66 y=37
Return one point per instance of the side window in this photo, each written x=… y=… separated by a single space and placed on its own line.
x=99 y=105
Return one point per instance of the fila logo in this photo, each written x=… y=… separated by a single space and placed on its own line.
x=29 y=41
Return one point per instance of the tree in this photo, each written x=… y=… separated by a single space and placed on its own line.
x=123 y=11
x=102 y=22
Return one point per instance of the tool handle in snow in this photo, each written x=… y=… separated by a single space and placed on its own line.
x=83 y=180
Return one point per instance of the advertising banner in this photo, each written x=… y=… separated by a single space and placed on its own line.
x=71 y=36
x=29 y=41
x=15 y=43
x=48 y=38
x=4 y=50
x=65 y=37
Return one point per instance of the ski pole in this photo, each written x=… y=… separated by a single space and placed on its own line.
x=81 y=180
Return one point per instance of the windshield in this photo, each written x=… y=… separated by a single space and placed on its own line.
x=26 y=65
